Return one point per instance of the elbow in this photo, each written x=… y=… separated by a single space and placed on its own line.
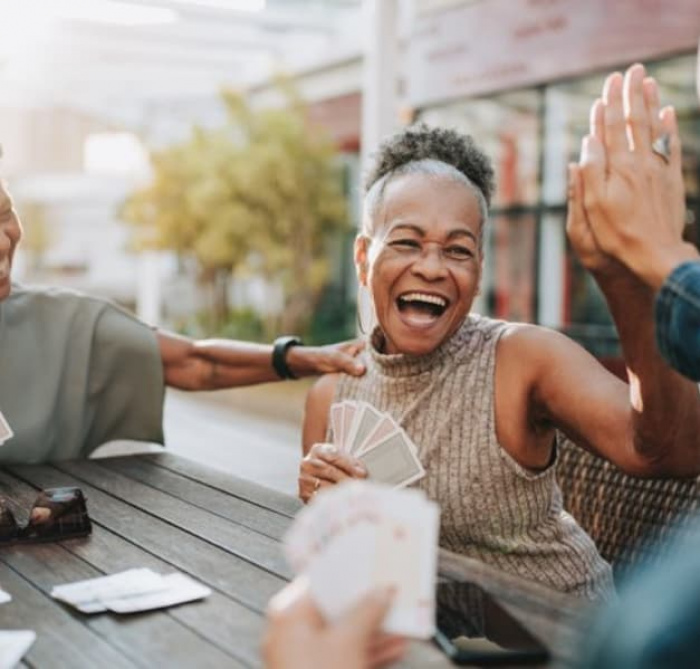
x=665 y=459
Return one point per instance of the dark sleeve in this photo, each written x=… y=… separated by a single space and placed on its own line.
x=126 y=387
x=677 y=315
x=656 y=622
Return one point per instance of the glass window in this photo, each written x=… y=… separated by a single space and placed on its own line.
x=507 y=128
x=530 y=273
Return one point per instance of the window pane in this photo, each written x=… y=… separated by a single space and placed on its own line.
x=507 y=128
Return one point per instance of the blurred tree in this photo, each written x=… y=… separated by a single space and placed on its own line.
x=262 y=194
x=37 y=237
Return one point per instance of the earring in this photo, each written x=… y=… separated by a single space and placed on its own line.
x=365 y=311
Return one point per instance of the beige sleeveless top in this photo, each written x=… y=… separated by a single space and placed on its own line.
x=492 y=509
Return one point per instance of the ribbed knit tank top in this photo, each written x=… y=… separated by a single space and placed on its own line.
x=492 y=509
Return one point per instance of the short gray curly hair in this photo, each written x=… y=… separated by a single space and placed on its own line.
x=438 y=152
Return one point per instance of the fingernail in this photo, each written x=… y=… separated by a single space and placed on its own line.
x=328 y=449
x=360 y=470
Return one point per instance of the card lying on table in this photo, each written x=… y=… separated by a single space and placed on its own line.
x=14 y=645
x=360 y=535
x=378 y=441
x=5 y=430
x=130 y=591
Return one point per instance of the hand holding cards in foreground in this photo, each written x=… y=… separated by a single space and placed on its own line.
x=377 y=441
x=359 y=536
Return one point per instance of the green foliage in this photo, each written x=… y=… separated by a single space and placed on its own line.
x=334 y=318
x=261 y=194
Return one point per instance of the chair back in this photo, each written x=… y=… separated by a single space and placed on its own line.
x=630 y=519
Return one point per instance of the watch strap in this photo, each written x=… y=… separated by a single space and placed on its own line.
x=279 y=355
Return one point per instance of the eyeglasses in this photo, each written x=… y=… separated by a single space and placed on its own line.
x=455 y=254
x=58 y=513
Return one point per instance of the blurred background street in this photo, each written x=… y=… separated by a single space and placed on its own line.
x=200 y=163
x=231 y=434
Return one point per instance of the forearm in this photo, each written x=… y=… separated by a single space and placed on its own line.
x=665 y=406
x=234 y=363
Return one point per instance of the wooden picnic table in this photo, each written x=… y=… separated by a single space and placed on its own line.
x=167 y=513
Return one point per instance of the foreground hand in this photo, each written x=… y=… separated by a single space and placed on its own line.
x=633 y=200
x=323 y=466
x=297 y=636
x=315 y=360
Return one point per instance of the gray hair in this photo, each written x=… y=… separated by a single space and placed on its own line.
x=374 y=199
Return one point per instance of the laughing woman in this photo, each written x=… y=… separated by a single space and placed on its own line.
x=488 y=402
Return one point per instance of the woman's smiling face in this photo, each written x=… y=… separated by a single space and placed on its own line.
x=423 y=263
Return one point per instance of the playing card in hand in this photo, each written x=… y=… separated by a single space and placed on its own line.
x=377 y=440
x=359 y=536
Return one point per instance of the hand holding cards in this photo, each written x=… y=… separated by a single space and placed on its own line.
x=359 y=536
x=377 y=441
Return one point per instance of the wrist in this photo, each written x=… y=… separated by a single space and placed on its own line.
x=282 y=361
x=661 y=263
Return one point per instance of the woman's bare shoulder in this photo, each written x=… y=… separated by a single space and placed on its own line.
x=323 y=390
x=318 y=404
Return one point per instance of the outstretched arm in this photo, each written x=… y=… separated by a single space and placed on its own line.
x=664 y=407
x=212 y=364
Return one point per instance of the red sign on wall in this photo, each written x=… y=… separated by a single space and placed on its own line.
x=485 y=46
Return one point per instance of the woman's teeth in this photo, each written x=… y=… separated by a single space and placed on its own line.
x=424 y=297
x=421 y=307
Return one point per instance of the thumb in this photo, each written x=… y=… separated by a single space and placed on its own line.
x=365 y=617
x=592 y=168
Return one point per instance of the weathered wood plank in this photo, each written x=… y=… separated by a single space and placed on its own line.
x=254 y=517
x=146 y=639
x=554 y=617
x=62 y=640
x=228 y=483
x=241 y=580
x=232 y=537
x=219 y=619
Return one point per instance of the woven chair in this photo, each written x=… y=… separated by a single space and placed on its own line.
x=630 y=519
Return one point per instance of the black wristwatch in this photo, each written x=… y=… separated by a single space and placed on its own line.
x=279 y=355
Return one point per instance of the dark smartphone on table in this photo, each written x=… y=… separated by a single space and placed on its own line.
x=474 y=629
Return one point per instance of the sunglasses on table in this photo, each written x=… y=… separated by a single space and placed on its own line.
x=58 y=513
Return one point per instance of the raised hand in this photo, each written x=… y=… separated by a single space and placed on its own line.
x=631 y=178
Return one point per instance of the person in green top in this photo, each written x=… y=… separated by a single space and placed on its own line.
x=78 y=371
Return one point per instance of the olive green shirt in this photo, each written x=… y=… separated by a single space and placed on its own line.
x=75 y=372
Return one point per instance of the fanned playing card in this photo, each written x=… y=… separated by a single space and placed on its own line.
x=358 y=536
x=375 y=438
